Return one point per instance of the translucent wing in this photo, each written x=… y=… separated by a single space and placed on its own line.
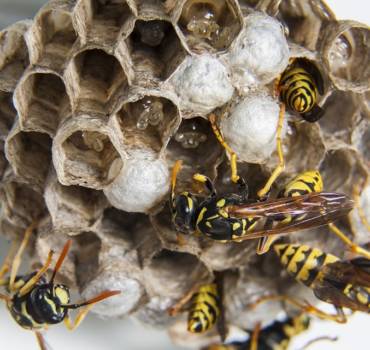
x=315 y=209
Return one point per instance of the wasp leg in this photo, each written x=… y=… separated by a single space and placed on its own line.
x=175 y=171
x=255 y=336
x=207 y=182
x=281 y=166
x=220 y=138
x=18 y=257
x=79 y=318
x=264 y=243
x=318 y=339
x=41 y=341
x=5 y=298
x=353 y=246
x=174 y=310
x=31 y=283
x=339 y=317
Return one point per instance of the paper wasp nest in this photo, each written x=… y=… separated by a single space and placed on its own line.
x=99 y=98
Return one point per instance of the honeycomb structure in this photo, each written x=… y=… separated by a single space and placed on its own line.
x=99 y=98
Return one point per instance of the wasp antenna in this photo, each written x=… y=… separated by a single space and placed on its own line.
x=60 y=259
x=104 y=295
x=175 y=171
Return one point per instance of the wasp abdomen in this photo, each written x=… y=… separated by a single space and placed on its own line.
x=302 y=262
x=205 y=309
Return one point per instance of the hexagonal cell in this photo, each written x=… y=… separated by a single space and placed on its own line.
x=361 y=136
x=83 y=152
x=13 y=55
x=21 y=204
x=304 y=20
x=147 y=122
x=42 y=102
x=341 y=170
x=96 y=80
x=72 y=208
x=53 y=37
x=102 y=20
x=29 y=154
x=155 y=50
x=120 y=229
x=210 y=25
x=172 y=274
x=195 y=144
x=341 y=110
x=346 y=52
x=7 y=114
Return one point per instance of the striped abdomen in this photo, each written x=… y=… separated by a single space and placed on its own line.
x=302 y=262
x=298 y=90
x=205 y=309
x=304 y=183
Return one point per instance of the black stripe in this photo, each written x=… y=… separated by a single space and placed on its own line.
x=291 y=256
x=211 y=310
x=300 y=264
x=312 y=274
x=284 y=250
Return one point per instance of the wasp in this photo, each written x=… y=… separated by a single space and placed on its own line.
x=276 y=336
x=342 y=283
x=35 y=302
x=298 y=88
x=234 y=217
x=205 y=310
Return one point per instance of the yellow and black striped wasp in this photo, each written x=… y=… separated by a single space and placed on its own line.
x=36 y=302
x=205 y=309
x=275 y=336
x=342 y=283
x=235 y=218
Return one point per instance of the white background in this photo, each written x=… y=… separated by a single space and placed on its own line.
x=96 y=334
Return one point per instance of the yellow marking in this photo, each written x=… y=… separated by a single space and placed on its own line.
x=223 y=213
x=310 y=264
x=236 y=225
x=190 y=203
x=299 y=256
x=51 y=303
x=62 y=295
x=201 y=215
x=221 y=203
x=208 y=224
x=200 y=178
x=213 y=217
x=290 y=251
x=362 y=298
x=244 y=223
x=330 y=259
x=25 y=314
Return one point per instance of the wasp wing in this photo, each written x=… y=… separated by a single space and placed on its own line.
x=315 y=209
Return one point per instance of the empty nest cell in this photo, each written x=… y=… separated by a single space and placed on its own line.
x=102 y=20
x=84 y=153
x=72 y=208
x=21 y=204
x=147 y=122
x=304 y=20
x=172 y=274
x=210 y=24
x=13 y=55
x=29 y=154
x=95 y=78
x=7 y=114
x=54 y=37
x=155 y=50
x=42 y=102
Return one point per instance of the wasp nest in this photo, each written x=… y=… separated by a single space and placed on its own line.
x=99 y=98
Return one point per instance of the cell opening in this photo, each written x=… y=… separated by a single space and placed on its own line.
x=89 y=155
x=210 y=24
x=99 y=76
x=155 y=49
x=147 y=122
x=29 y=154
x=13 y=58
x=7 y=114
x=58 y=35
x=348 y=56
x=43 y=102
